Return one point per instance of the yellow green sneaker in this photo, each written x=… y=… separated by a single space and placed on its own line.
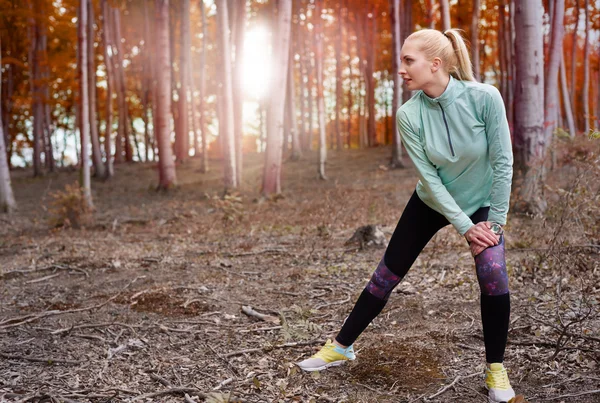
x=330 y=355
x=497 y=383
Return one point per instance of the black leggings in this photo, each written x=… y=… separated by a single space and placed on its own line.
x=417 y=225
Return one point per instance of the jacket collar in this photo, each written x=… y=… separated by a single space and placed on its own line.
x=447 y=97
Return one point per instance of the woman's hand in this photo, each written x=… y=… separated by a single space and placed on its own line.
x=477 y=249
x=481 y=235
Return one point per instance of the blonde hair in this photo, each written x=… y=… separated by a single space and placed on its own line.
x=450 y=47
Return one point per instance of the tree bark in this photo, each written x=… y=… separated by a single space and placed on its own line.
x=106 y=14
x=202 y=85
x=281 y=51
x=122 y=142
x=291 y=104
x=238 y=85
x=586 y=71
x=530 y=145
x=320 y=98
x=370 y=37
x=574 y=46
x=36 y=92
x=84 y=123
x=226 y=118
x=7 y=199
x=475 y=39
x=445 y=14
x=182 y=136
x=551 y=98
x=96 y=154
x=565 y=97
x=396 y=161
x=166 y=165
x=338 y=78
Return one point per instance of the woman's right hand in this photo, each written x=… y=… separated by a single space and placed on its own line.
x=480 y=234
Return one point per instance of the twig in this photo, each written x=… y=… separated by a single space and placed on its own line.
x=221 y=384
x=34 y=359
x=251 y=312
x=188 y=399
x=445 y=388
x=32 y=318
x=332 y=303
x=39 y=280
x=588 y=392
x=170 y=391
x=269 y=348
x=161 y=380
x=69 y=329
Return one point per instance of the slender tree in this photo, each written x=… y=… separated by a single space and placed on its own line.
x=320 y=98
x=96 y=154
x=551 y=99
x=565 y=97
x=107 y=37
x=84 y=122
x=530 y=143
x=182 y=136
x=586 y=70
x=281 y=51
x=202 y=85
x=166 y=165
x=291 y=109
x=338 y=77
x=34 y=61
x=396 y=161
x=475 y=39
x=7 y=199
x=445 y=6
x=226 y=117
x=574 y=46
x=238 y=85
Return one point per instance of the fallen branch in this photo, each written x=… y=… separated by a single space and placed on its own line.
x=251 y=312
x=34 y=359
x=332 y=303
x=588 y=392
x=39 y=280
x=445 y=388
x=170 y=391
x=32 y=318
x=269 y=348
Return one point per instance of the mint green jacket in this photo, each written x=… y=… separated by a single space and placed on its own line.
x=460 y=145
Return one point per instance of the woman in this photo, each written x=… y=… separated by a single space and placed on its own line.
x=456 y=133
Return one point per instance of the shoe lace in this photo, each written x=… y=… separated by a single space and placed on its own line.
x=499 y=378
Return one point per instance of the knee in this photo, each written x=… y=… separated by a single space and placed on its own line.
x=491 y=270
x=383 y=281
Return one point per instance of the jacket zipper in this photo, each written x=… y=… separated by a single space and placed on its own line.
x=447 y=130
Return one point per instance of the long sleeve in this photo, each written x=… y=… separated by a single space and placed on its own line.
x=429 y=176
x=501 y=157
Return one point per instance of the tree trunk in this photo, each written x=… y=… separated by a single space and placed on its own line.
x=370 y=37
x=320 y=98
x=430 y=14
x=551 y=98
x=396 y=161
x=166 y=165
x=301 y=96
x=122 y=142
x=565 y=97
x=7 y=199
x=36 y=94
x=182 y=136
x=530 y=145
x=202 y=86
x=311 y=109
x=338 y=78
x=408 y=28
x=84 y=123
x=475 y=39
x=291 y=103
x=445 y=14
x=350 y=80
x=574 y=47
x=226 y=125
x=238 y=85
x=109 y=86
x=586 y=71
x=96 y=154
x=281 y=51
x=148 y=85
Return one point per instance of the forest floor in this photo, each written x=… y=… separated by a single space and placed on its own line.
x=145 y=303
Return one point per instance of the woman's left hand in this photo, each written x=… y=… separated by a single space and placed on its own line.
x=477 y=249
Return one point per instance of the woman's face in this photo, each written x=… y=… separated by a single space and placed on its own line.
x=415 y=69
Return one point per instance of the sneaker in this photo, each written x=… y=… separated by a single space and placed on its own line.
x=330 y=355
x=496 y=382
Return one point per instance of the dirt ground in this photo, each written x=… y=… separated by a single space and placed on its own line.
x=145 y=303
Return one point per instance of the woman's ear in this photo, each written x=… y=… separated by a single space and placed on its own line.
x=436 y=64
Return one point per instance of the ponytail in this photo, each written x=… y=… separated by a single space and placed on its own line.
x=450 y=47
